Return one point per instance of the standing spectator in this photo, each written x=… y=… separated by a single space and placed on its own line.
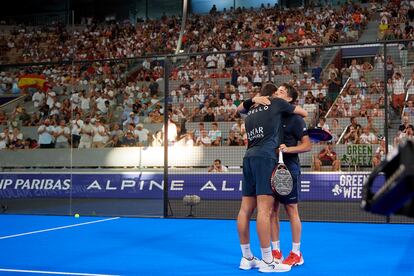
x=334 y=87
x=379 y=153
x=3 y=141
x=355 y=70
x=217 y=167
x=77 y=124
x=38 y=98
x=389 y=65
x=317 y=72
x=45 y=132
x=99 y=133
x=142 y=135
x=398 y=93
x=172 y=132
x=86 y=133
x=62 y=135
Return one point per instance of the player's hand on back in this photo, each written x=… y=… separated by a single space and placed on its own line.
x=263 y=100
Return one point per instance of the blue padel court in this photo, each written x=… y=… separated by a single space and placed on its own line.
x=62 y=245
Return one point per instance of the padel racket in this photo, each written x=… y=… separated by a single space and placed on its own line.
x=281 y=180
x=319 y=135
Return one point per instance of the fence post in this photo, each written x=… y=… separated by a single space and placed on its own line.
x=386 y=109
x=166 y=99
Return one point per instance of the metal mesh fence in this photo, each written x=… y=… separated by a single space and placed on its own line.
x=360 y=93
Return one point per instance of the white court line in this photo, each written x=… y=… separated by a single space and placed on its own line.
x=57 y=228
x=52 y=272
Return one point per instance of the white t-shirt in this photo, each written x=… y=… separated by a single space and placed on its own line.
x=38 y=98
x=142 y=134
x=97 y=130
x=203 y=141
x=76 y=127
x=398 y=86
x=84 y=103
x=3 y=144
x=367 y=138
x=45 y=137
x=61 y=131
x=86 y=137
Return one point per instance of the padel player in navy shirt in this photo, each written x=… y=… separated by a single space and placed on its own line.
x=264 y=130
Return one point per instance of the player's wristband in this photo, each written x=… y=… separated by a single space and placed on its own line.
x=247 y=104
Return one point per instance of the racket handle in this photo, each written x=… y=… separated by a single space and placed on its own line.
x=281 y=157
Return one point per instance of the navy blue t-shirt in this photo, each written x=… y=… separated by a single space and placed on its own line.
x=264 y=128
x=294 y=128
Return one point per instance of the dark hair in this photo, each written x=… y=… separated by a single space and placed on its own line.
x=291 y=92
x=218 y=160
x=268 y=89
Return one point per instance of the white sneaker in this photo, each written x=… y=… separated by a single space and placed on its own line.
x=247 y=264
x=273 y=267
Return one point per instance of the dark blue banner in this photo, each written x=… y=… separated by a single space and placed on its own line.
x=320 y=186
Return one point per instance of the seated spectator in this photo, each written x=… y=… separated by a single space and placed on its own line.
x=30 y=143
x=197 y=132
x=187 y=139
x=129 y=140
x=234 y=140
x=405 y=124
x=217 y=167
x=115 y=142
x=409 y=109
x=408 y=133
x=322 y=124
x=3 y=118
x=336 y=112
x=327 y=157
x=336 y=130
x=132 y=118
x=215 y=135
x=351 y=136
x=204 y=139
x=209 y=116
x=368 y=137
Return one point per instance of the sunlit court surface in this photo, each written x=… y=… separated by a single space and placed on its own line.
x=148 y=246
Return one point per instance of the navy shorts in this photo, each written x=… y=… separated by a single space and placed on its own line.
x=293 y=197
x=256 y=175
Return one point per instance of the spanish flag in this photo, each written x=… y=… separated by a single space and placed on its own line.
x=32 y=80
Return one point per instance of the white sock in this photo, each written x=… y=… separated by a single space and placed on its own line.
x=296 y=248
x=267 y=254
x=247 y=253
x=276 y=245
